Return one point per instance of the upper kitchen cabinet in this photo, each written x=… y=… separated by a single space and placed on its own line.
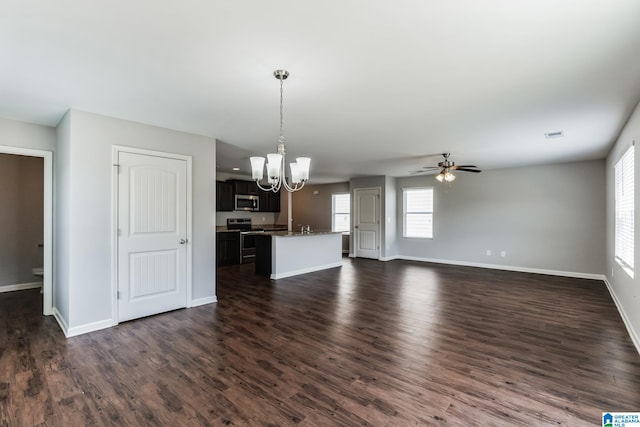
x=244 y=187
x=224 y=196
x=227 y=190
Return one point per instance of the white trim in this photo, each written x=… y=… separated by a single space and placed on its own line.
x=20 y=286
x=333 y=210
x=506 y=267
x=625 y=319
x=305 y=270
x=82 y=329
x=60 y=319
x=114 y=234
x=115 y=151
x=47 y=229
x=89 y=327
x=406 y=190
x=203 y=301
x=354 y=217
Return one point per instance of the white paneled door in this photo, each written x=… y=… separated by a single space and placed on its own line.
x=367 y=223
x=152 y=235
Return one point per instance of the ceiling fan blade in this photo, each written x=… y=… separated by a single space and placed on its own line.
x=429 y=168
x=469 y=170
x=416 y=172
x=464 y=166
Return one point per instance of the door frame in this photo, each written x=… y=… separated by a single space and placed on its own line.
x=115 y=151
x=356 y=211
x=47 y=229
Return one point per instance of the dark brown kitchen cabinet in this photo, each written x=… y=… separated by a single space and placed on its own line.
x=224 y=196
x=226 y=191
x=244 y=187
x=227 y=248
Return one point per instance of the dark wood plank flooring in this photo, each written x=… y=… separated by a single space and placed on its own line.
x=372 y=343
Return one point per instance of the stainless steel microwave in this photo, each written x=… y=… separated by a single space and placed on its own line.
x=246 y=202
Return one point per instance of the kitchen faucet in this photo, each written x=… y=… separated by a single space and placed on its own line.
x=305 y=229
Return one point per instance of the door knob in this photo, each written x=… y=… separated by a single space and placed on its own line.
x=183 y=241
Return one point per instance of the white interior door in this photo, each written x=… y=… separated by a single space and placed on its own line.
x=152 y=235
x=367 y=223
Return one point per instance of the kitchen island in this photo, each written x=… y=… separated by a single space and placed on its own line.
x=285 y=254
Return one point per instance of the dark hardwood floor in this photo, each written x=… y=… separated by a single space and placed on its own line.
x=372 y=343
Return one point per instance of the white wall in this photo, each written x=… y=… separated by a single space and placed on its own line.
x=87 y=223
x=625 y=290
x=390 y=218
x=62 y=221
x=27 y=135
x=545 y=217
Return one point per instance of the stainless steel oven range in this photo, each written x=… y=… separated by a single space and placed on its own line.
x=247 y=237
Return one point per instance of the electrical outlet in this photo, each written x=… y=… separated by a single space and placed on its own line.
x=503 y=254
x=488 y=252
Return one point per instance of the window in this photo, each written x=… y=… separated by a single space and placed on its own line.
x=340 y=212
x=624 y=210
x=418 y=212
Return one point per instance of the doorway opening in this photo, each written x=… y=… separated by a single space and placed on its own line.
x=35 y=246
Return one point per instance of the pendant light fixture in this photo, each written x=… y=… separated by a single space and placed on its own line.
x=276 y=162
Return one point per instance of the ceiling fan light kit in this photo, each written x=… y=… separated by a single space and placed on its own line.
x=445 y=176
x=276 y=162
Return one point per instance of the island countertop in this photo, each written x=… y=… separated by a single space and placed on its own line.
x=298 y=233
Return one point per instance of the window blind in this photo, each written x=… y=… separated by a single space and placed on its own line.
x=341 y=212
x=418 y=212
x=624 y=210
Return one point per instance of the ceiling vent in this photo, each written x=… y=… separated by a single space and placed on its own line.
x=558 y=134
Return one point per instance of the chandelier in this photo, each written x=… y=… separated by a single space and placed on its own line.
x=276 y=162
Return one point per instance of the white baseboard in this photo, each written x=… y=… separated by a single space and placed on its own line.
x=89 y=327
x=625 y=319
x=20 y=286
x=305 y=270
x=506 y=267
x=61 y=321
x=82 y=329
x=202 y=301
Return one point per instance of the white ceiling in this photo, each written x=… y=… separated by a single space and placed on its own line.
x=375 y=86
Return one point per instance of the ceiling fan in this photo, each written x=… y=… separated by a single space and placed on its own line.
x=446 y=168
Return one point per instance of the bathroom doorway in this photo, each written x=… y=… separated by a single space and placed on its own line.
x=30 y=239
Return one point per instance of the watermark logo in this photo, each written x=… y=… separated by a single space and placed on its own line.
x=620 y=419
